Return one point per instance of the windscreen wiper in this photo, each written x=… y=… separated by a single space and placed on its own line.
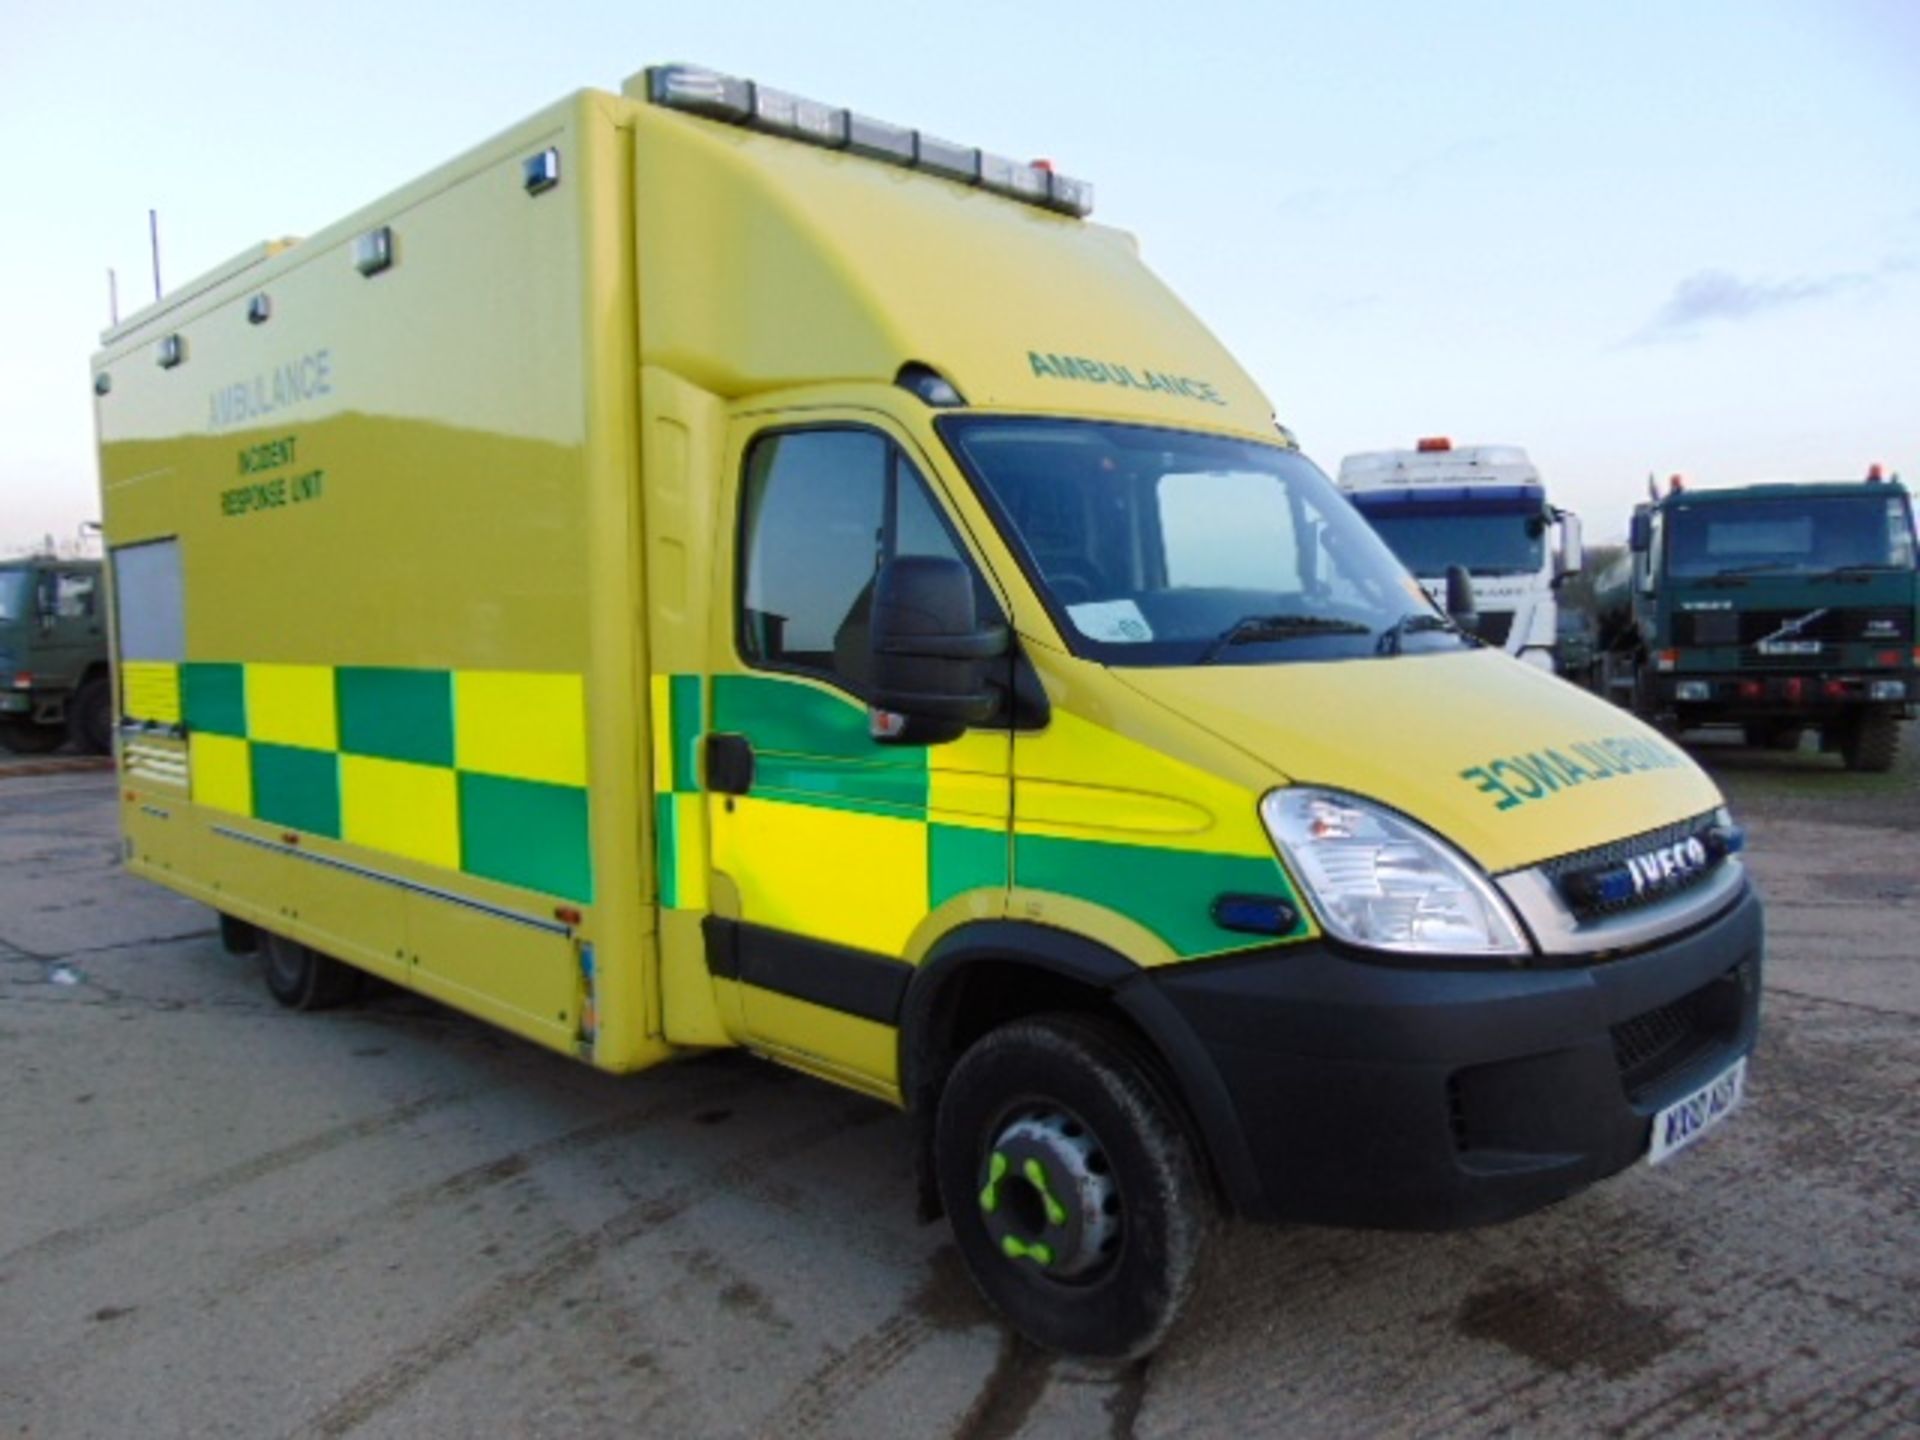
x=1251 y=628
x=1755 y=568
x=1414 y=620
x=1859 y=567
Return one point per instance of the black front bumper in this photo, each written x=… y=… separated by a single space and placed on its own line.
x=1429 y=1099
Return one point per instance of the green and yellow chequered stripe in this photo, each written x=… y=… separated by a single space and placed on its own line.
x=842 y=842
x=480 y=771
x=680 y=851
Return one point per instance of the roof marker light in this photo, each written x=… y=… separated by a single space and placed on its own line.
x=1875 y=475
x=739 y=101
x=879 y=140
x=705 y=92
x=1010 y=177
x=540 y=173
x=943 y=157
x=1433 y=444
x=373 y=251
x=801 y=118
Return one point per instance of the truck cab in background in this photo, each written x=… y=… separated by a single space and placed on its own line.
x=1779 y=608
x=53 y=656
x=1482 y=507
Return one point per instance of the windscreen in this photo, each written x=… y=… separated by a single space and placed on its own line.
x=1166 y=547
x=1791 y=534
x=16 y=594
x=1487 y=544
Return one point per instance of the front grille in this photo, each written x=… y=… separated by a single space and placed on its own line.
x=1830 y=625
x=1657 y=1043
x=1495 y=626
x=1615 y=853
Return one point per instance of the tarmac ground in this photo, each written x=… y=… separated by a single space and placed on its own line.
x=219 y=1218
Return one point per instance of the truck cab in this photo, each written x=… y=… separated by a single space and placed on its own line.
x=53 y=656
x=1778 y=608
x=1481 y=507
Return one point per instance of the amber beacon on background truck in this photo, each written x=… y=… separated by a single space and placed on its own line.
x=707 y=568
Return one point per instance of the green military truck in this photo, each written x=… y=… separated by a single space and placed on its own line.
x=54 y=680
x=1778 y=608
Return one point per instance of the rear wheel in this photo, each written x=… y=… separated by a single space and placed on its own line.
x=23 y=737
x=1072 y=1190
x=301 y=978
x=1872 y=744
x=90 y=717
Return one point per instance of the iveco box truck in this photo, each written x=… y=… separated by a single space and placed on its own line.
x=711 y=569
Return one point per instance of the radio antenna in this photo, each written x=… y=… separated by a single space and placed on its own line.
x=153 y=237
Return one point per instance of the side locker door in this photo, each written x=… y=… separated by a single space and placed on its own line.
x=838 y=857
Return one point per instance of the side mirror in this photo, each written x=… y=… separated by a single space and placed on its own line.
x=1460 y=607
x=1572 y=554
x=1639 y=533
x=930 y=653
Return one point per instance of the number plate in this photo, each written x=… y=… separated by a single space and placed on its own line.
x=1686 y=1120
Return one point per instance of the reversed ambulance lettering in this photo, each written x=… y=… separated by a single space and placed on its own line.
x=1514 y=780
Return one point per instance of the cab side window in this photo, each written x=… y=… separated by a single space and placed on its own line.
x=73 y=595
x=821 y=511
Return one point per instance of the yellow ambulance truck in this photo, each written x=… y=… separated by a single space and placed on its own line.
x=707 y=568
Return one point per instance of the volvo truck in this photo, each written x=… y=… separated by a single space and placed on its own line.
x=1778 y=609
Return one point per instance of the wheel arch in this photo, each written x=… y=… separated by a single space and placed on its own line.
x=990 y=972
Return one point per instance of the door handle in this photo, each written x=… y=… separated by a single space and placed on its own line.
x=729 y=764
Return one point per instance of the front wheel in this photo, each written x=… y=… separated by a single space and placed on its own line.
x=1073 y=1192
x=90 y=717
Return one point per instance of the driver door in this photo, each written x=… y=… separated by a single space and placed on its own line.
x=838 y=855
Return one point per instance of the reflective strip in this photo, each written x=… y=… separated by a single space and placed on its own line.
x=519 y=917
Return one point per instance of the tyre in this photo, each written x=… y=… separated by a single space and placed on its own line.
x=1872 y=744
x=23 y=737
x=90 y=717
x=1073 y=1192
x=301 y=978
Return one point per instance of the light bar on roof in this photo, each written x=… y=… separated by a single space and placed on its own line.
x=761 y=107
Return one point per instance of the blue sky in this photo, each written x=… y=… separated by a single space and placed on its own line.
x=1629 y=236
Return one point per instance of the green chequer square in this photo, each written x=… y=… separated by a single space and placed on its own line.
x=213 y=698
x=297 y=788
x=396 y=714
x=526 y=832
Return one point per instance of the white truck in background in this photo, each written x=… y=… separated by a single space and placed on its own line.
x=1482 y=507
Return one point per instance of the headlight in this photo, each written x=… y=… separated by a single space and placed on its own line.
x=1381 y=881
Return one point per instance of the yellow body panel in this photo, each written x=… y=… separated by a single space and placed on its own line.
x=404 y=809
x=292 y=705
x=1436 y=736
x=529 y=726
x=220 y=776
